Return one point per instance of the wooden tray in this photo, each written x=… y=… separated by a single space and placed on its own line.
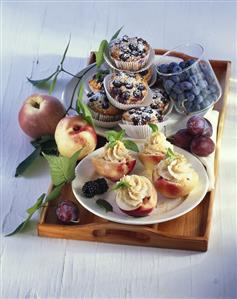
x=190 y=231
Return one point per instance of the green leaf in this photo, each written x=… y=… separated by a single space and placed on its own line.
x=27 y=162
x=37 y=205
x=65 y=51
x=20 y=227
x=170 y=154
x=130 y=145
x=62 y=169
x=120 y=184
x=99 y=55
x=82 y=108
x=101 y=74
x=38 y=83
x=54 y=193
x=53 y=83
x=47 y=144
x=41 y=140
x=114 y=135
x=153 y=127
x=105 y=205
x=116 y=34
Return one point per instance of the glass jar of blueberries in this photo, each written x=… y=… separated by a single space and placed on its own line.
x=189 y=79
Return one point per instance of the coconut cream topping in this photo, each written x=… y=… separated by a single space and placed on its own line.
x=139 y=187
x=117 y=153
x=176 y=170
x=156 y=143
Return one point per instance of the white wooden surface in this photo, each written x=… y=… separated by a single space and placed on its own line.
x=34 y=35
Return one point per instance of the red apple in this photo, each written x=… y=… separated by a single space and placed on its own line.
x=40 y=114
x=74 y=133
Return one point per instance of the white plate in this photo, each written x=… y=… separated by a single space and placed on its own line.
x=167 y=209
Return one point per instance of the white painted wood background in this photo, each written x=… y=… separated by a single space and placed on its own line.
x=34 y=34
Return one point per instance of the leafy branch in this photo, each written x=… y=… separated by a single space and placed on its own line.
x=62 y=171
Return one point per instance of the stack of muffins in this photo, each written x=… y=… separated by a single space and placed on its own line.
x=121 y=94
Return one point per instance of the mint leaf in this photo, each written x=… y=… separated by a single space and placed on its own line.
x=25 y=164
x=82 y=108
x=114 y=135
x=170 y=154
x=62 y=169
x=99 y=55
x=120 y=184
x=105 y=205
x=153 y=127
x=116 y=34
x=130 y=145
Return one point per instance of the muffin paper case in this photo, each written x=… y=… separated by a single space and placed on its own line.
x=145 y=102
x=149 y=61
x=137 y=132
x=106 y=124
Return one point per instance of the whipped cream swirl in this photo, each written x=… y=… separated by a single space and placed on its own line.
x=117 y=153
x=139 y=188
x=156 y=144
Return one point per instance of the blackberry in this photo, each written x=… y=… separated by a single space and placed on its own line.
x=89 y=189
x=102 y=186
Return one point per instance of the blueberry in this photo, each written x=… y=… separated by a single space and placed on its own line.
x=182 y=64
x=213 y=88
x=194 y=70
x=177 y=88
x=124 y=96
x=186 y=85
x=199 y=99
x=117 y=83
x=176 y=69
x=202 y=83
x=196 y=90
x=189 y=62
x=135 y=53
x=140 y=86
x=125 y=38
x=204 y=67
x=163 y=68
x=132 y=47
x=168 y=85
x=172 y=65
x=173 y=96
x=124 y=56
x=105 y=105
x=193 y=79
x=129 y=85
x=189 y=96
x=137 y=94
x=184 y=76
x=175 y=78
x=209 y=78
x=181 y=97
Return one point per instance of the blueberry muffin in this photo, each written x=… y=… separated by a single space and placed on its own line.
x=129 y=53
x=96 y=83
x=160 y=102
x=141 y=116
x=127 y=88
x=101 y=109
x=147 y=75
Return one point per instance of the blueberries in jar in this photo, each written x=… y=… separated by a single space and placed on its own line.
x=182 y=64
x=196 y=90
x=176 y=69
x=140 y=86
x=184 y=76
x=190 y=97
x=172 y=65
x=199 y=99
x=193 y=79
x=168 y=85
x=203 y=83
x=213 y=88
x=163 y=68
x=173 y=96
x=175 y=78
x=186 y=85
x=177 y=88
x=129 y=85
x=117 y=83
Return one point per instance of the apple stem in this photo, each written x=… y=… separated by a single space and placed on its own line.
x=63 y=70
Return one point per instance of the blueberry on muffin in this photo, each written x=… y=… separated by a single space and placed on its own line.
x=101 y=109
x=129 y=53
x=128 y=88
x=96 y=83
x=160 y=102
x=140 y=116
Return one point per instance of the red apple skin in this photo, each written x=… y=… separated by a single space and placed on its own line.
x=139 y=212
x=74 y=133
x=40 y=114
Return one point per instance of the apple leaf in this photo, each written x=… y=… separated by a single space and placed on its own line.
x=53 y=83
x=116 y=34
x=37 y=205
x=56 y=191
x=130 y=145
x=154 y=127
x=62 y=169
x=99 y=55
x=41 y=82
x=105 y=205
x=27 y=162
x=82 y=108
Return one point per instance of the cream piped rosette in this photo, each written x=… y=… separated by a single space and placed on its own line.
x=138 y=191
x=174 y=176
x=154 y=150
x=115 y=161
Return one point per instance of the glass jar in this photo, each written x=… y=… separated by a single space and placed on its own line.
x=190 y=80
